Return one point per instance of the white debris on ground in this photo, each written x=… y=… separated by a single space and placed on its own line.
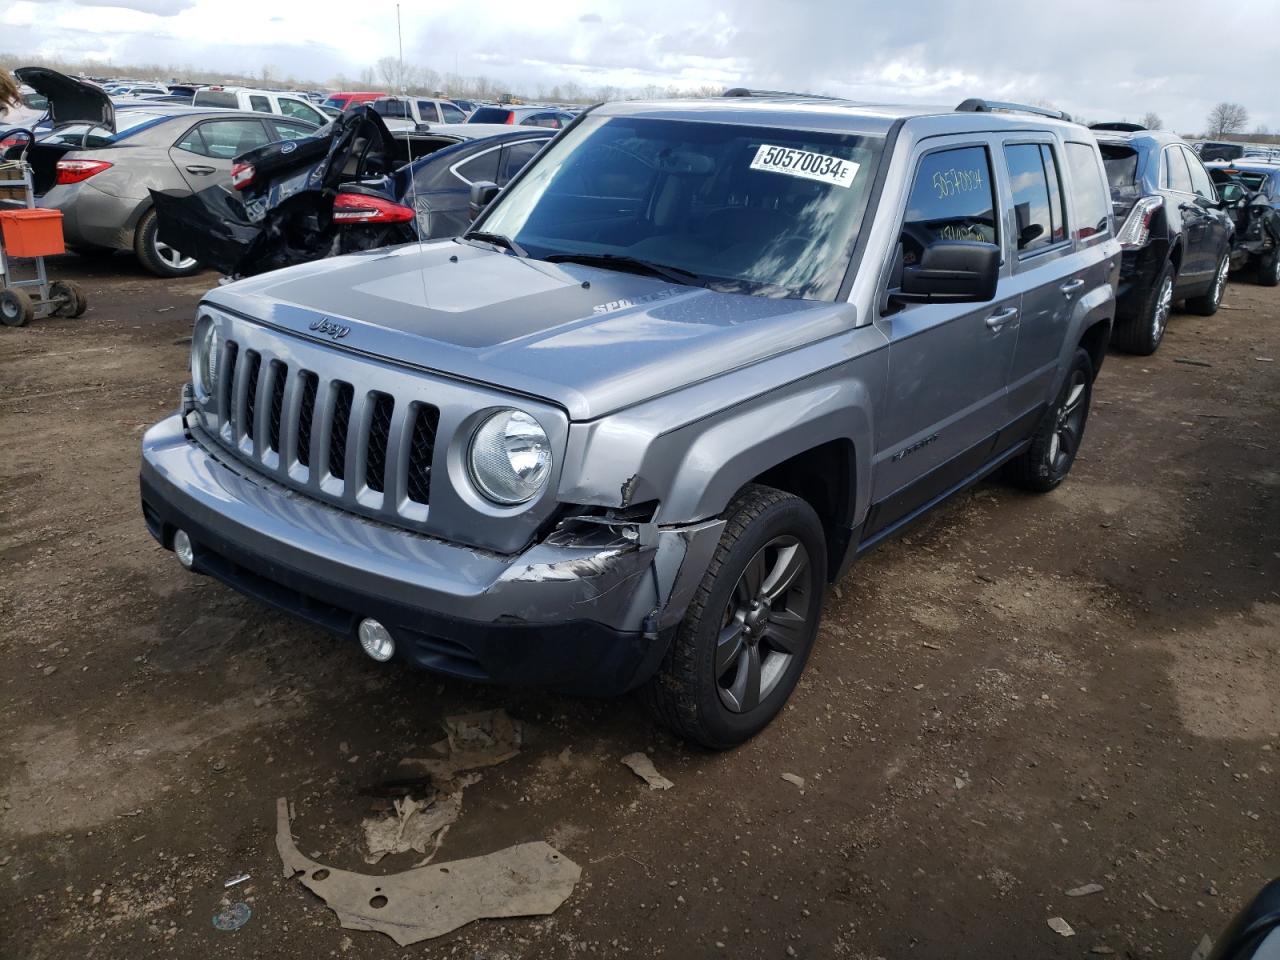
x=1060 y=927
x=472 y=741
x=643 y=768
x=792 y=778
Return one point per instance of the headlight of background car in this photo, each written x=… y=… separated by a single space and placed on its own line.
x=204 y=355
x=510 y=458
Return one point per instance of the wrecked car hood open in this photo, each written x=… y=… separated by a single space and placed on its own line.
x=284 y=216
x=468 y=311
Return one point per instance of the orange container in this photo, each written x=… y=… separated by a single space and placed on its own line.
x=32 y=233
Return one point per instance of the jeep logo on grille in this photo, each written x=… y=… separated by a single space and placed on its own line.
x=330 y=329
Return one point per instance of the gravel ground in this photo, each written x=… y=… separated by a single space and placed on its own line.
x=1020 y=696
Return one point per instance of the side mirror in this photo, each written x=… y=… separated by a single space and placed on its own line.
x=1230 y=193
x=952 y=271
x=482 y=194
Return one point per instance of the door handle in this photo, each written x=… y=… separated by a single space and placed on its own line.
x=1071 y=286
x=1001 y=317
x=198 y=169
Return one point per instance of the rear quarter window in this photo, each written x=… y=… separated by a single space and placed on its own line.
x=215 y=98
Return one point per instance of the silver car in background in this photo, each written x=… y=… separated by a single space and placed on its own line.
x=101 y=161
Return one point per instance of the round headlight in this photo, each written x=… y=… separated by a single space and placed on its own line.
x=204 y=355
x=510 y=459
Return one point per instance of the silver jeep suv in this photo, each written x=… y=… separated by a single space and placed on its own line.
x=688 y=365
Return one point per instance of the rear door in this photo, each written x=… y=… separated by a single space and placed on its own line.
x=1045 y=270
x=948 y=363
x=1218 y=223
x=1196 y=257
x=204 y=153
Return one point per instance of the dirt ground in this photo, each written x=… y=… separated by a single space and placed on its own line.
x=1022 y=695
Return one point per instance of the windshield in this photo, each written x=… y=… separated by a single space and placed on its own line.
x=128 y=122
x=743 y=209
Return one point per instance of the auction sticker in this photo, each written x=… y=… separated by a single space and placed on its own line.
x=801 y=163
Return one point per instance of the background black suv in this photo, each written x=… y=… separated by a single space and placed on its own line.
x=1176 y=234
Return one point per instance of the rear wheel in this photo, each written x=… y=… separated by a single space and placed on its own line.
x=16 y=307
x=1142 y=332
x=1048 y=460
x=745 y=638
x=160 y=258
x=1269 y=268
x=1207 y=304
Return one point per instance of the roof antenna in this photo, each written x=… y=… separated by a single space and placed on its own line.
x=413 y=181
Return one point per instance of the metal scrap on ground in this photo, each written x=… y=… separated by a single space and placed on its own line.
x=643 y=768
x=525 y=880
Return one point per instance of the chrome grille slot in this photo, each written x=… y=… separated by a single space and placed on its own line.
x=340 y=424
x=379 y=434
x=279 y=373
x=254 y=364
x=306 y=414
x=228 y=399
x=426 y=420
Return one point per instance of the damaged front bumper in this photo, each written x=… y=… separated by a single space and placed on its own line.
x=590 y=609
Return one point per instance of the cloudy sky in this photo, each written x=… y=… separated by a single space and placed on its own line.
x=1096 y=58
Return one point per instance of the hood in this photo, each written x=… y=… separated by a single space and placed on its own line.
x=590 y=340
x=70 y=100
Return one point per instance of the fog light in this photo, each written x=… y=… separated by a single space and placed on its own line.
x=183 y=548
x=376 y=640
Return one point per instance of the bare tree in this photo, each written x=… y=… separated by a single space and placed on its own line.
x=1152 y=121
x=1226 y=118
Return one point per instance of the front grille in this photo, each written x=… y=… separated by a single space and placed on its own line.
x=379 y=433
x=348 y=442
x=421 y=446
x=338 y=432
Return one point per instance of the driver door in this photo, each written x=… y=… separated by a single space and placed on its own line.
x=949 y=363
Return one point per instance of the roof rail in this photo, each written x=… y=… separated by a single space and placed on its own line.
x=974 y=105
x=1120 y=126
x=745 y=92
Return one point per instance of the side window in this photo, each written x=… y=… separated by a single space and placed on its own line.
x=225 y=139
x=1200 y=182
x=288 y=130
x=515 y=157
x=452 y=114
x=396 y=109
x=952 y=199
x=299 y=110
x=259 y=104
x=484 y=166
x=1037 y=206
x=541 y=120
x=428 y=112
x=1090 y=201
x=1179 y=175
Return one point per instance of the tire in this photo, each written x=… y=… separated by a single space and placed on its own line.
x=1269 y=268
x=703 y=691
x=16 y=307
x=157 y=257
x=70 y=296
x=1141 y=333
x=1207 y=304
x=1047 y=461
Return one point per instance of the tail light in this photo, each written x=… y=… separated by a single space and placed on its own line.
x=511 y=118
x=75 y=171
x=1137 y=226
x=242 y=175
x=359 y=208
x=13 y=140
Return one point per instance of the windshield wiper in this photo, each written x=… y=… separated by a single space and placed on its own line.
x=620 y=261
x=498 y=240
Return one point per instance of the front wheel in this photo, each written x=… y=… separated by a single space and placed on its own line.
x=1046 y=463
x=1207 y=304
x=746 y=636
x=160 y=258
